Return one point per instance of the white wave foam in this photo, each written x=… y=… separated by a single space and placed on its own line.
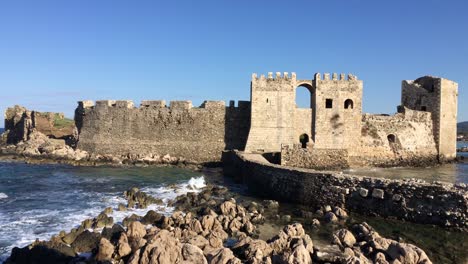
x=43 y=224
x=3 y=196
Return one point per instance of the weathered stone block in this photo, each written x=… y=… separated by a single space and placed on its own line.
x=378 y=193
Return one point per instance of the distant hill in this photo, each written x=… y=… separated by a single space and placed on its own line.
x=462 y=128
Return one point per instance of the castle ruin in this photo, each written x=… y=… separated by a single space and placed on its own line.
x=332 y=133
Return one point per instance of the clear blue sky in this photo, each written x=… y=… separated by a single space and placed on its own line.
x=54 y=53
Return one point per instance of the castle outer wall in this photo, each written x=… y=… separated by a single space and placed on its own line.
x=199 y=134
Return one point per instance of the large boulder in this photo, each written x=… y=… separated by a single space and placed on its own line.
x=105 y=250
x=86 y=241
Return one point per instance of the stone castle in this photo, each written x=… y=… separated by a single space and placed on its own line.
x=332 y=133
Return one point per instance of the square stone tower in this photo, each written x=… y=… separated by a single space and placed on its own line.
x=440 y=97
x=272 y=112
x=338 y=111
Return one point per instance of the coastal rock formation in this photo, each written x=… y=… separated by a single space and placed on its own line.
x=200 y=233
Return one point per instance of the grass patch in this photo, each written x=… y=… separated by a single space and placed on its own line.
x=61 y=122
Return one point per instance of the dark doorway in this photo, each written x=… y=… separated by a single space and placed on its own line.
x=348 y=104
x=391 y=138
x=304 y=139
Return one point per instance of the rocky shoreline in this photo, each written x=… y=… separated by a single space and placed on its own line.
x=211 y=226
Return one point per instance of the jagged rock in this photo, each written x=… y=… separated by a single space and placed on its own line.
x=123 y=248
x=105 y=250
x=113 y=233
x=151 y=217
x=136 y=230
x=86 y=241
x=223 y=256
x=108 y=211
x=102 y=221
x=345 y=237
x=129 y=219
x=228 y=208
x=406 y=253
x=330 y=218
x=299 y=255
x=193 y=254
x=121 y=207
x=198 y=241
x=42 y=252
x=163 y=248
x=340 y=213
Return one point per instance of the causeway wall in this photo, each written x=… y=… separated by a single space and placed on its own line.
x=416 y=201
x=200 y=134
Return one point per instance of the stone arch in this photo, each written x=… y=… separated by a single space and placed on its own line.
x=348 y=104
x=304 y=139
x=307 y=85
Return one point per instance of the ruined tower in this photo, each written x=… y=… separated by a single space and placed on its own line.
x=439 y=97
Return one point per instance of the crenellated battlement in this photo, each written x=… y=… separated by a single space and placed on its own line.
x=335 y=77
x=160 y=104
x=276 y=76
x=153 y=103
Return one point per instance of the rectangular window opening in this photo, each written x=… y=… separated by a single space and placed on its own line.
x=329 y=103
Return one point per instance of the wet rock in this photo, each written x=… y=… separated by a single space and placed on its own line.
x=121 y=207
x=86 y=241
x=105 y=251
x=112 y=233
x=102 y=221
x=108 y=211
x=129 y=219
x=42 y=252
x=151 y=217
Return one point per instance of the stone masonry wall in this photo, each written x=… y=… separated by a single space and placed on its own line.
x=413 y=140
x=415 y=201
x=313 y=158
x=337 y=125
x=439 y=97
x=197 y=134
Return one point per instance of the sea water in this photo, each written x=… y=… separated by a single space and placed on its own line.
x=38 y=201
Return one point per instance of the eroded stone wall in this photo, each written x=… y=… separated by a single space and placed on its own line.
x=439 y=97
x=402 y=139
x=180 y=130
